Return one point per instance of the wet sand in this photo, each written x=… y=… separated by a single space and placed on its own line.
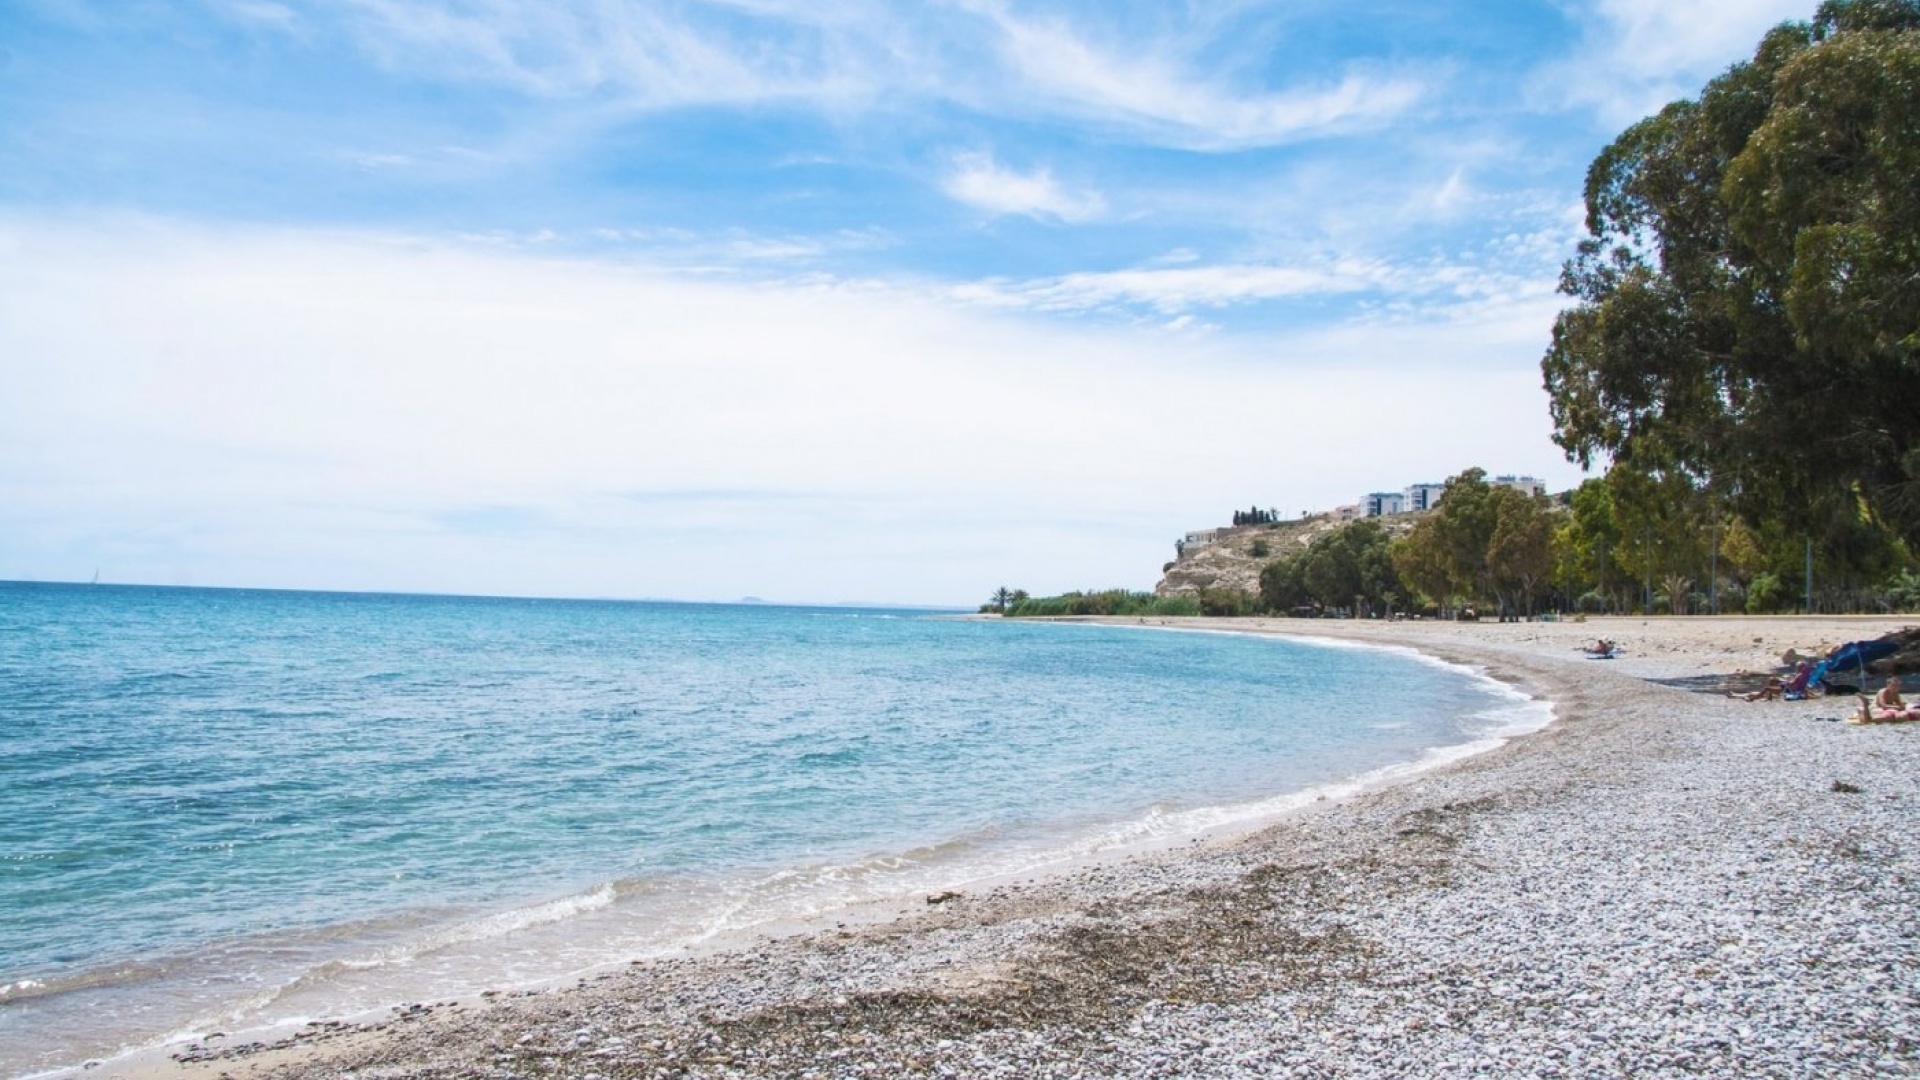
x=1662 y=882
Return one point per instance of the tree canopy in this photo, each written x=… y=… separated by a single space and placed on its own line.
x=1486 y=541
x=1748 y=316
x=1347 y=567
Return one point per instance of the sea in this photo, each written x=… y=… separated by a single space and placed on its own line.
x=232 y=810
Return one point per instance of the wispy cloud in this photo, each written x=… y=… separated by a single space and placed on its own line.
x=1175 y=290
x=979 y=181
x=1160 y=93
x=1423 y=289
x=734 y=249
x=654 y=56
x=1637 y=55
x=980 y=55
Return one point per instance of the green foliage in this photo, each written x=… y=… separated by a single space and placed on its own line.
x=1255 y=516
x=1349 y=565
x=1588 y=548
x=1223 y=603
x=1261 y=549
x=1281 y=586
x=1767 y=594
x=1903 y=592
x=1485 y=542
x=1108 y=602
x=1748 y=300
x=1677 y=591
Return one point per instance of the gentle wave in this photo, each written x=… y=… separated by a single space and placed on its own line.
x=347 y=802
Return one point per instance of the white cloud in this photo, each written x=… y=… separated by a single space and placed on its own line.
x=1637 y=55
x=653 y=56
x=979 y=181
x=1452 y=195
x=735 y=250
x=1158 y=92
x=854 y=56
x=1423 y=290
x=359 y=411
x=1177 y=290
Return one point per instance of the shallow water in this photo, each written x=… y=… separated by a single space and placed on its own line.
x=227 y=808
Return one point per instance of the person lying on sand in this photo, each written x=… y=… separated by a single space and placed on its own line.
x=1793 y=656
x=1777 y=688
x=1887 y=705
x=1602 y=647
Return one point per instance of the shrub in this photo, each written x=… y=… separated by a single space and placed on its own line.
x=1903 y=592
x=1222 y=603
x=1107 y=602
x=1767 y=593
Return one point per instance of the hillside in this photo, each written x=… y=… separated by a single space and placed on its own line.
x=1230 y=561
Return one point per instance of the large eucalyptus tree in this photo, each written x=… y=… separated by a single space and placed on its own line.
x=1748 y=312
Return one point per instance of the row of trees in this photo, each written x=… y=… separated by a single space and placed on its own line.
x=1619 y=543
x=1633 y=542
x=1017 y=604
x=1486 y=543
x=1623 y=542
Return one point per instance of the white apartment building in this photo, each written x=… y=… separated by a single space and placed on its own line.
x=1526 y=485
x=1381 y=503
x=1424 y=496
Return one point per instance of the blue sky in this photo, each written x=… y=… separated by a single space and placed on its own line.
x=811 y=301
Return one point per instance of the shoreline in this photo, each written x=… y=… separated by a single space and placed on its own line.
x=1073 y=848
x=1284 y=943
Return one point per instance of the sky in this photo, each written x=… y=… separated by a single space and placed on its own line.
x=807 y=301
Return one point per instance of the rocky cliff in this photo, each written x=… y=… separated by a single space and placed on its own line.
x=1234 y=562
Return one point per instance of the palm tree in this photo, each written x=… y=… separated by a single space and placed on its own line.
x=1002 y=596
x=1676 y=588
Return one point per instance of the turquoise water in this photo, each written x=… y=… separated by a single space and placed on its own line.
x=223 y=808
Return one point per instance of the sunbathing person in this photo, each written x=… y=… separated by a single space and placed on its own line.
x=1887 y=705
x=1777 y=688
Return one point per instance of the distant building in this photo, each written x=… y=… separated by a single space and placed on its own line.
x=1381 y=503
x=1199 y=538
x=1424 y=496
x=1526 y=485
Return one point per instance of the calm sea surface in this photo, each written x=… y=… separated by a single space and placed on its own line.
x=223 y=809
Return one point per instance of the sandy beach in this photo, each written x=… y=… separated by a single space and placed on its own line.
x=1663 y=882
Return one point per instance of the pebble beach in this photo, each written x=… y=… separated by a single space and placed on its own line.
x=1665 y=881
